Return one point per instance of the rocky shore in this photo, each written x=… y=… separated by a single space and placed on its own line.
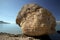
x=8 y=36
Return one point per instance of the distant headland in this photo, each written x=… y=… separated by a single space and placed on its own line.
x=2 y=22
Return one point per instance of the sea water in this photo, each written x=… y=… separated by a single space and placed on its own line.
x=10 y=28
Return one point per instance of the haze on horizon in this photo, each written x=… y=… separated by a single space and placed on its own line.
x=10 y=8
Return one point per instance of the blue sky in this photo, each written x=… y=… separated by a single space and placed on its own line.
x=10 y=8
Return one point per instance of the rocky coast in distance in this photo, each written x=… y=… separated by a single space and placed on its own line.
x=2 y=22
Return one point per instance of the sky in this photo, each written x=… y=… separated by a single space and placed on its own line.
x=9 y=8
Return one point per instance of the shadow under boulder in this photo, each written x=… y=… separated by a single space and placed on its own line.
x=58 y=31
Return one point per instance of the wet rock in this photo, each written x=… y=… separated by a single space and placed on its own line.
x=35 y=20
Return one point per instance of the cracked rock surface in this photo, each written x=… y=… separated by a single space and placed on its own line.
x=35 y=20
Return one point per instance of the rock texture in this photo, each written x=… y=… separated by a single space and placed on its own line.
x=35 y=20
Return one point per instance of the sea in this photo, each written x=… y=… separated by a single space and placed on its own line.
x=10 y=28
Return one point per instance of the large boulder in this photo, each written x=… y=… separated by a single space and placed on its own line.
x=35 y=20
